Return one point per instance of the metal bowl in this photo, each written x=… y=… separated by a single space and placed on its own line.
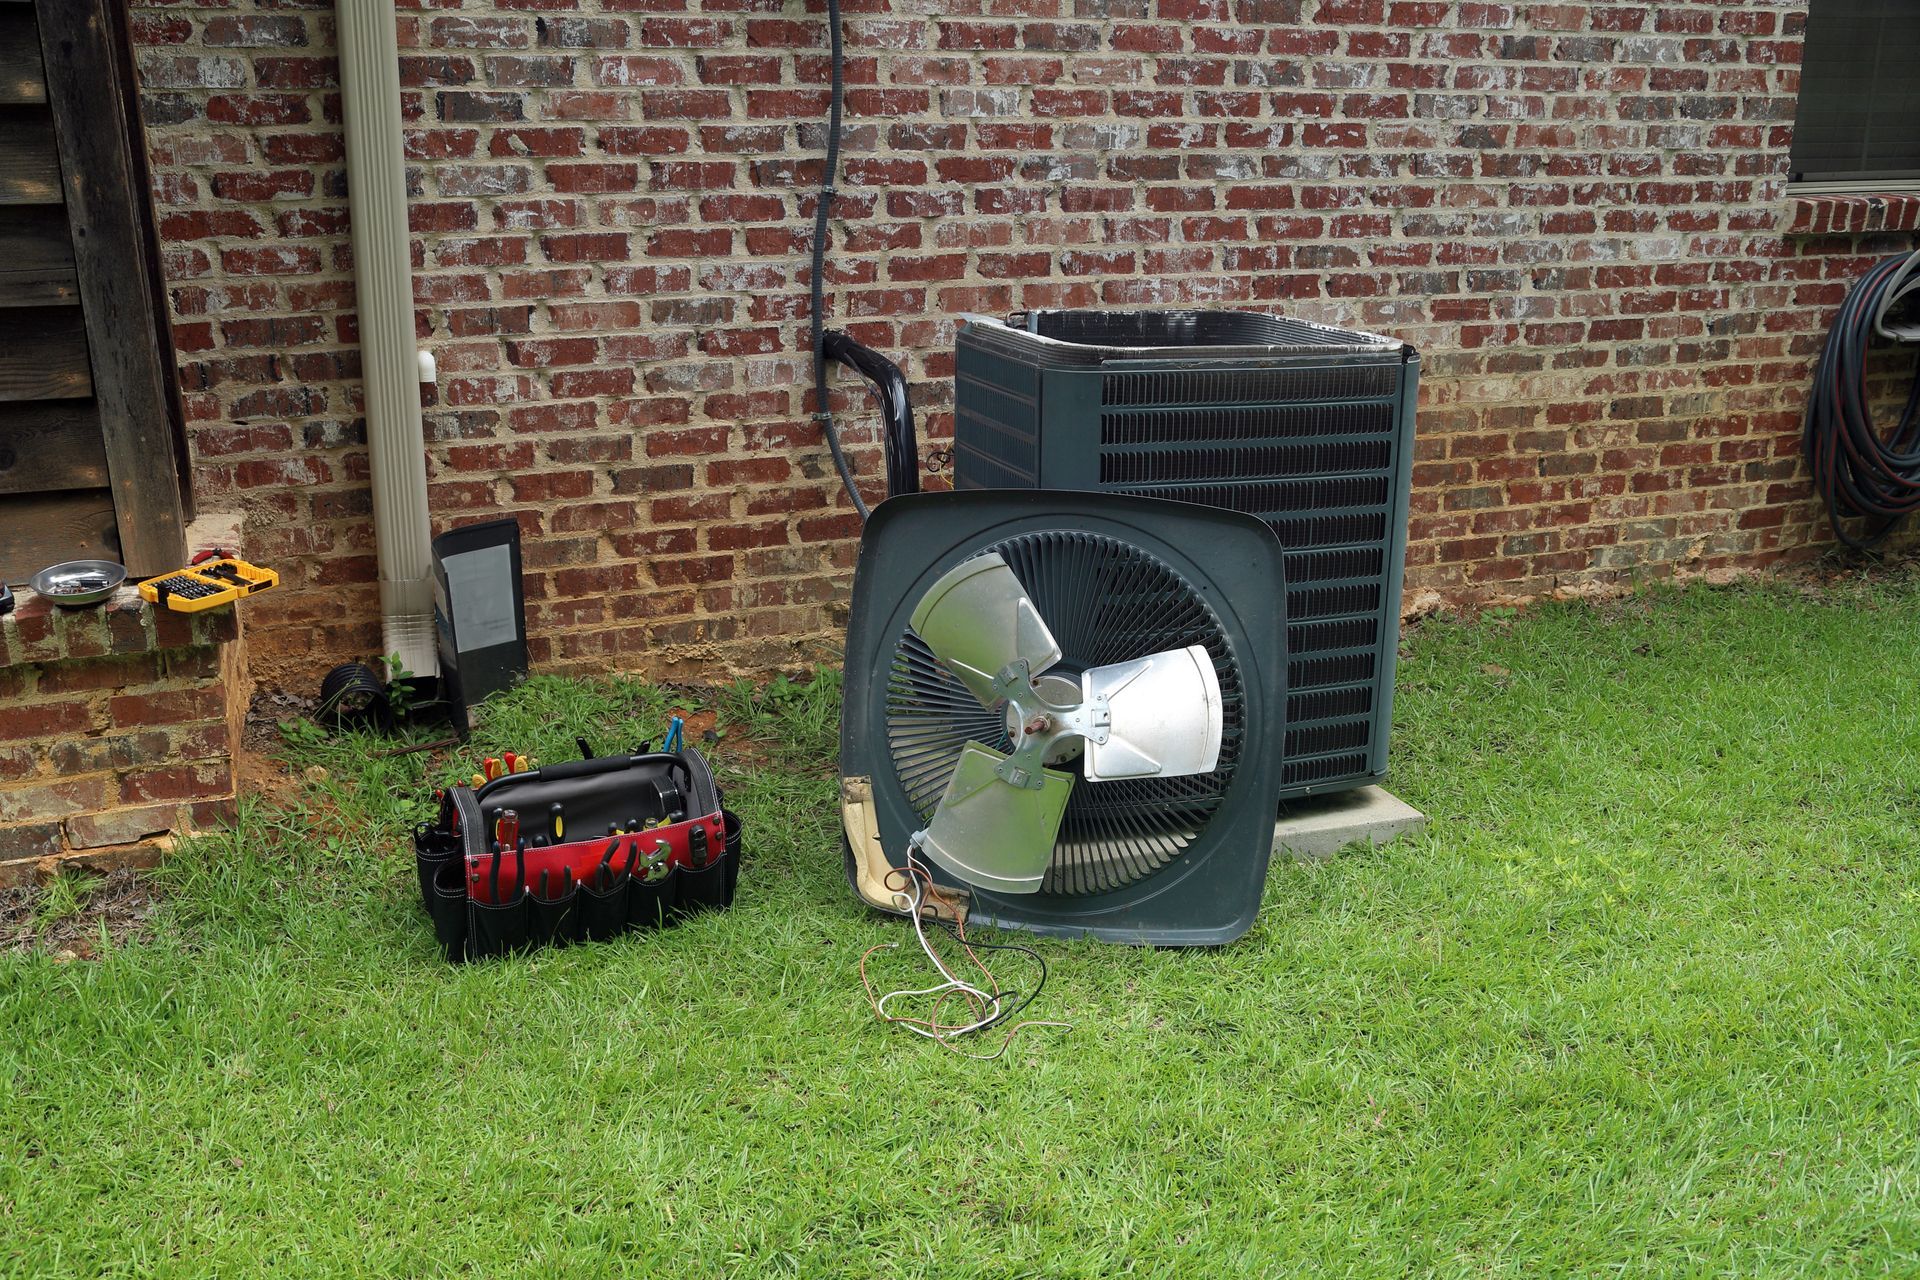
x=78 y=583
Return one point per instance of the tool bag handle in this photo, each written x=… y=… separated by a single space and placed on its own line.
x=586 y=768
x=581 y=768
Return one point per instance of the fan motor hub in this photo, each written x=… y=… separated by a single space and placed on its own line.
x=1047 y=734
x=1024 y=719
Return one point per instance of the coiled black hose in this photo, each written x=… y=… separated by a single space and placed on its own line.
x=1861 y=474
x=817 y=284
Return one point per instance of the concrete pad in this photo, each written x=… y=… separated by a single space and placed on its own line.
x=1321 y=826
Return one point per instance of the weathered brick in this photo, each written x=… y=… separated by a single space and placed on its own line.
x=121 y=826
x=44 y=719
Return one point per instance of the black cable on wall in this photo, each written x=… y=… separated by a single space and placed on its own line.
x=817 y=285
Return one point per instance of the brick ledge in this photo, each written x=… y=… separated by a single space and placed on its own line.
x=38 y=630
x=1826 y=214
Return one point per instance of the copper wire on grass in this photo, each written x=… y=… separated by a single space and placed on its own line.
x=989 y=1006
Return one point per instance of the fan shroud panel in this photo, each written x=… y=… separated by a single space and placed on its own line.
x=1185 y=859
x=1106 y=601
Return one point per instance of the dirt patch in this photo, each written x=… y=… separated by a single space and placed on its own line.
x=256 y=770
x=34 y=918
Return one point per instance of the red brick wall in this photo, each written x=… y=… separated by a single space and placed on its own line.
x=1577 y=211
x=117 y=723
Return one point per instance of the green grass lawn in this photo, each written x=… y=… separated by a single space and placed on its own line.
x=1643 y=1000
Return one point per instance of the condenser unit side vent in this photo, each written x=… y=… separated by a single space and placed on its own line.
x=1156 y=466
x=1249 y=386
x=1326 y=602
x=1249 y=424
x=1329 y=704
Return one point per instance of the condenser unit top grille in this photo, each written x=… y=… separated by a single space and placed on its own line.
x=1134 y=334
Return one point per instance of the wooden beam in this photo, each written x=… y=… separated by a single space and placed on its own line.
x=90 y=88
x=21 y=77
x=51 y=445
x=29 y=165
x=39 y=531
x=43 y=354
x=36 y=258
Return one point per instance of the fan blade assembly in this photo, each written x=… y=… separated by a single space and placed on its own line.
x=1102 y=617
x=1159 y=715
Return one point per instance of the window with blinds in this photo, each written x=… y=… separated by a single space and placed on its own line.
x=1858 y=122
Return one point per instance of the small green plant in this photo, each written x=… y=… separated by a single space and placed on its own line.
x=805 y=714
x=400 y=695
x=63 y=897
x=301 y=733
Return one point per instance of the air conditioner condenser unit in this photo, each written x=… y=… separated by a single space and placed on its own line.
x=1307 y=427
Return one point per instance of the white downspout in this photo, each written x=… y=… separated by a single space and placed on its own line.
x=391 y=365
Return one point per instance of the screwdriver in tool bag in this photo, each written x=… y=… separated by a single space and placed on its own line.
x=506 y=760
x=556 y=822
x=506 y=833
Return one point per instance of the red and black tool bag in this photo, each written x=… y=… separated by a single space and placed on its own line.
x=603 y=845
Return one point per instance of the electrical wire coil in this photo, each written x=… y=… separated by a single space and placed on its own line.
x=989 y=1005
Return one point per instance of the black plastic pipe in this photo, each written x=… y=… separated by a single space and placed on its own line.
x=890 y=389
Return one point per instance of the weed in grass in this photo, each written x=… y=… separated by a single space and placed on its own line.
x=64 y=896
x=804 y=715
x=1642 y=1000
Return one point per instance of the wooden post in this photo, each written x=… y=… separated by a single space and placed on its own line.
x=90 y=90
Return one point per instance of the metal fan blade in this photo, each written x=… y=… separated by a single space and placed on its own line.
x=990 y=832
x=1163 y=713
x=977 y=619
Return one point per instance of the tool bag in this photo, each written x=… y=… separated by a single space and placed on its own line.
x=601 y=846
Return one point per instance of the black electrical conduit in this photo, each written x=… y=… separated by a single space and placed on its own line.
x=1861 y=474
x=890 y=389
x=889 y=385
